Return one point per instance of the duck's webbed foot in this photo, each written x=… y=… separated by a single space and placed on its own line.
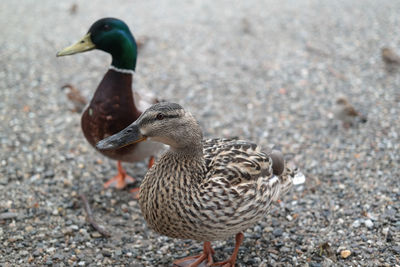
x=202 y=260
x=135 y=192
x=121 y=180
x=151 y=162
x=232 y=260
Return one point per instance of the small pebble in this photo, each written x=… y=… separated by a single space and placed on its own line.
x=396 y=249
x=368 y=223
x=345 y=253
x=24 y=253
x=385 y=230
x=106 y=252
x=277 y=232
x=356 y=224
x=95 y=234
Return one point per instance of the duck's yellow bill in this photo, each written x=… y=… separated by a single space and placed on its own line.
x=85 y=44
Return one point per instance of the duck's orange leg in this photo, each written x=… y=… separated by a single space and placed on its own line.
x=120 y=180
x=232 y=260
x=151 y=162
x=135 y=192
x=204 y=259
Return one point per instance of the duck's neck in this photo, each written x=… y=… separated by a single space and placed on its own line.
x=189 y=161
x=124 y=56
x=194 y=150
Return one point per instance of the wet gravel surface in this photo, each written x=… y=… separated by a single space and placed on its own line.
x=268 y=71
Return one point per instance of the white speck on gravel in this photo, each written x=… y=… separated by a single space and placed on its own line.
x=356 y=224
x=299 y=178
x=368 y=223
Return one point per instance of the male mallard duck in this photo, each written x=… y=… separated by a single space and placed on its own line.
x=199 y=189
x=113 y=106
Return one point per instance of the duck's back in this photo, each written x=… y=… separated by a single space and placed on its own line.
x=237 y=160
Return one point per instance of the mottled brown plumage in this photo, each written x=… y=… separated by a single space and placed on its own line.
x=345 y=112
x=203 y=190
x=389 y=56
x=212 y=195
x=73 y=9
x=76 y=98
x=391 y=59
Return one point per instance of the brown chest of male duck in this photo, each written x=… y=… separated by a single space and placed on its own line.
x=110 y=111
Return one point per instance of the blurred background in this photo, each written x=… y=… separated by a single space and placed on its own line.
x=267 y=71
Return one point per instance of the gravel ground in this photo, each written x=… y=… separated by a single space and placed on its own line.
x=268 y=71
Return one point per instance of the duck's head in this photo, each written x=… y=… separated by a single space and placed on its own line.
x=112 y=36
x=163 y=122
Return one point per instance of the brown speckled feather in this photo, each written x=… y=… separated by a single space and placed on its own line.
x=389 y=56
x=350 y=111
x=346 y=112
x=76 y=98
x=238 y=160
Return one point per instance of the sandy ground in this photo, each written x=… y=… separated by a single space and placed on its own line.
x=268 y=71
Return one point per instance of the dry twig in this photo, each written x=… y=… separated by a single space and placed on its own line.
x=90 y=219
x=8 y=215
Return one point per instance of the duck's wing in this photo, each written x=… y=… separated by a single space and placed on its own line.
x=236 y=161
x=240 y=183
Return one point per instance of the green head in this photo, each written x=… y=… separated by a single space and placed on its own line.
x=112 y=36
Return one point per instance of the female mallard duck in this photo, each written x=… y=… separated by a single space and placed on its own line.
x=202 y=189
x=113 y=106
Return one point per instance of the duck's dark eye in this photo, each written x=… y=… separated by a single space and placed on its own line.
x=106 y=27
x=160 y=116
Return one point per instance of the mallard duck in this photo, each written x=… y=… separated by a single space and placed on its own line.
x=114 y=105
x=204 y=190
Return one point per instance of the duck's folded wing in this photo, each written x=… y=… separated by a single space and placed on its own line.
x=237 y=161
